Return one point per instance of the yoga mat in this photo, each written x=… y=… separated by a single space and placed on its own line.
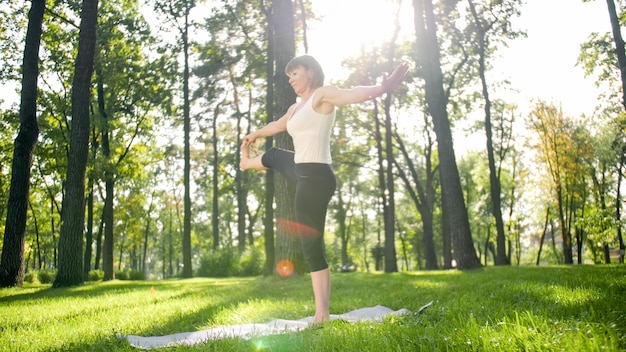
x=247 y=331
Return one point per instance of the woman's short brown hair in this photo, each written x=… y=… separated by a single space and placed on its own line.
x=308 y=62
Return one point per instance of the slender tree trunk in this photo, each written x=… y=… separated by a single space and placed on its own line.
x=108 y=245
x=108 y=264
x=494 y=181
x=391 y=262
x=423 y=198
x=268 y=217
x=382 y=184
x=89 y=230
x=12 y=261
x=565 y=234
x=38 y=249
x=187 y=269
x=342 y=209
x=144 y=256
x=121 y=252
x=215 y=180
x=241 y=178
x=543 y=234
x=429 y=207
x=73 y=216
x=553 y=242
x=90 y=213
x=36 y=225
x=454 y=209
x=146 y=236
x=97 y=261
x=618 y=207
x=170 y=251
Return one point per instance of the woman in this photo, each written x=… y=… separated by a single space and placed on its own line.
x=309 y=122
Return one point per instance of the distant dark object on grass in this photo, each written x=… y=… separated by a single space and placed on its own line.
x=348 y=268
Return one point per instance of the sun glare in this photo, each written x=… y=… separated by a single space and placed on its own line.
x=348 y=27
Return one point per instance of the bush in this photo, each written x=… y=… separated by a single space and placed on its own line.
x=251 y=263
x=95 y=275
x=29 y=277
x=228 y=262
x=122 y=275
x=46 y=276
x=128 y=274
x=136 y=275
x=218 y=264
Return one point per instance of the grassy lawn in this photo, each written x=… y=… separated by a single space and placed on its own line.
x=562 y=308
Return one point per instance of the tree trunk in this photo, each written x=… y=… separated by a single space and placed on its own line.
x=215 y=224
x=446 y=235
x=98 y=258
x=429 y=205
x=89 y=230
x=454 y=209
x=543 y=234
x=187 y=269
x=620 y=52
x=12 y=262
x=36 y=225
x=73 y=216
x=90 y=214
x=268 y=217
x=382 y=184
x=144 y=250
x=618 y=206
x=241 y=178
x=423 y=197
x=109 y=182
x=565 y=233
x=494 y=180
x=342 y=209
x=391 y=262
x=287 y=241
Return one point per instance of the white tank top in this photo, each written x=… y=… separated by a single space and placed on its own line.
x=310 y=131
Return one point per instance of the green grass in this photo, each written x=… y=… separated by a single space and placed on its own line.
x=563 y=308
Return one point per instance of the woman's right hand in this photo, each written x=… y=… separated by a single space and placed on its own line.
x=397 y=76
x=249 y=139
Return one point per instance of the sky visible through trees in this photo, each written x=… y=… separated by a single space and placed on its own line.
x=339 y=36
x=542 y=65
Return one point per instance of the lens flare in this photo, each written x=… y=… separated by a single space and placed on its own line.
x=260 y=345
x=284 y=268
x=293 y=227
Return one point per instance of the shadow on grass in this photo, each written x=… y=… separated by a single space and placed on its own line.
x=95 y=289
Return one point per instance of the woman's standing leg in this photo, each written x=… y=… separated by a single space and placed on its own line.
x=312 y=197
x=314 y=189
x=321 y=290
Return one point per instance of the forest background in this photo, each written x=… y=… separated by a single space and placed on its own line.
x=174 y=85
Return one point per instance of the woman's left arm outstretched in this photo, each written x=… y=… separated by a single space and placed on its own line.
x=340 y=97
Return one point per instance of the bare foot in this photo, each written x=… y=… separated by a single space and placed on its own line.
x=250 y=163
x=319 y=320
x=245 y=156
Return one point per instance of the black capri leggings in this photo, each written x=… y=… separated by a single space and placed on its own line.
x=315 y=185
